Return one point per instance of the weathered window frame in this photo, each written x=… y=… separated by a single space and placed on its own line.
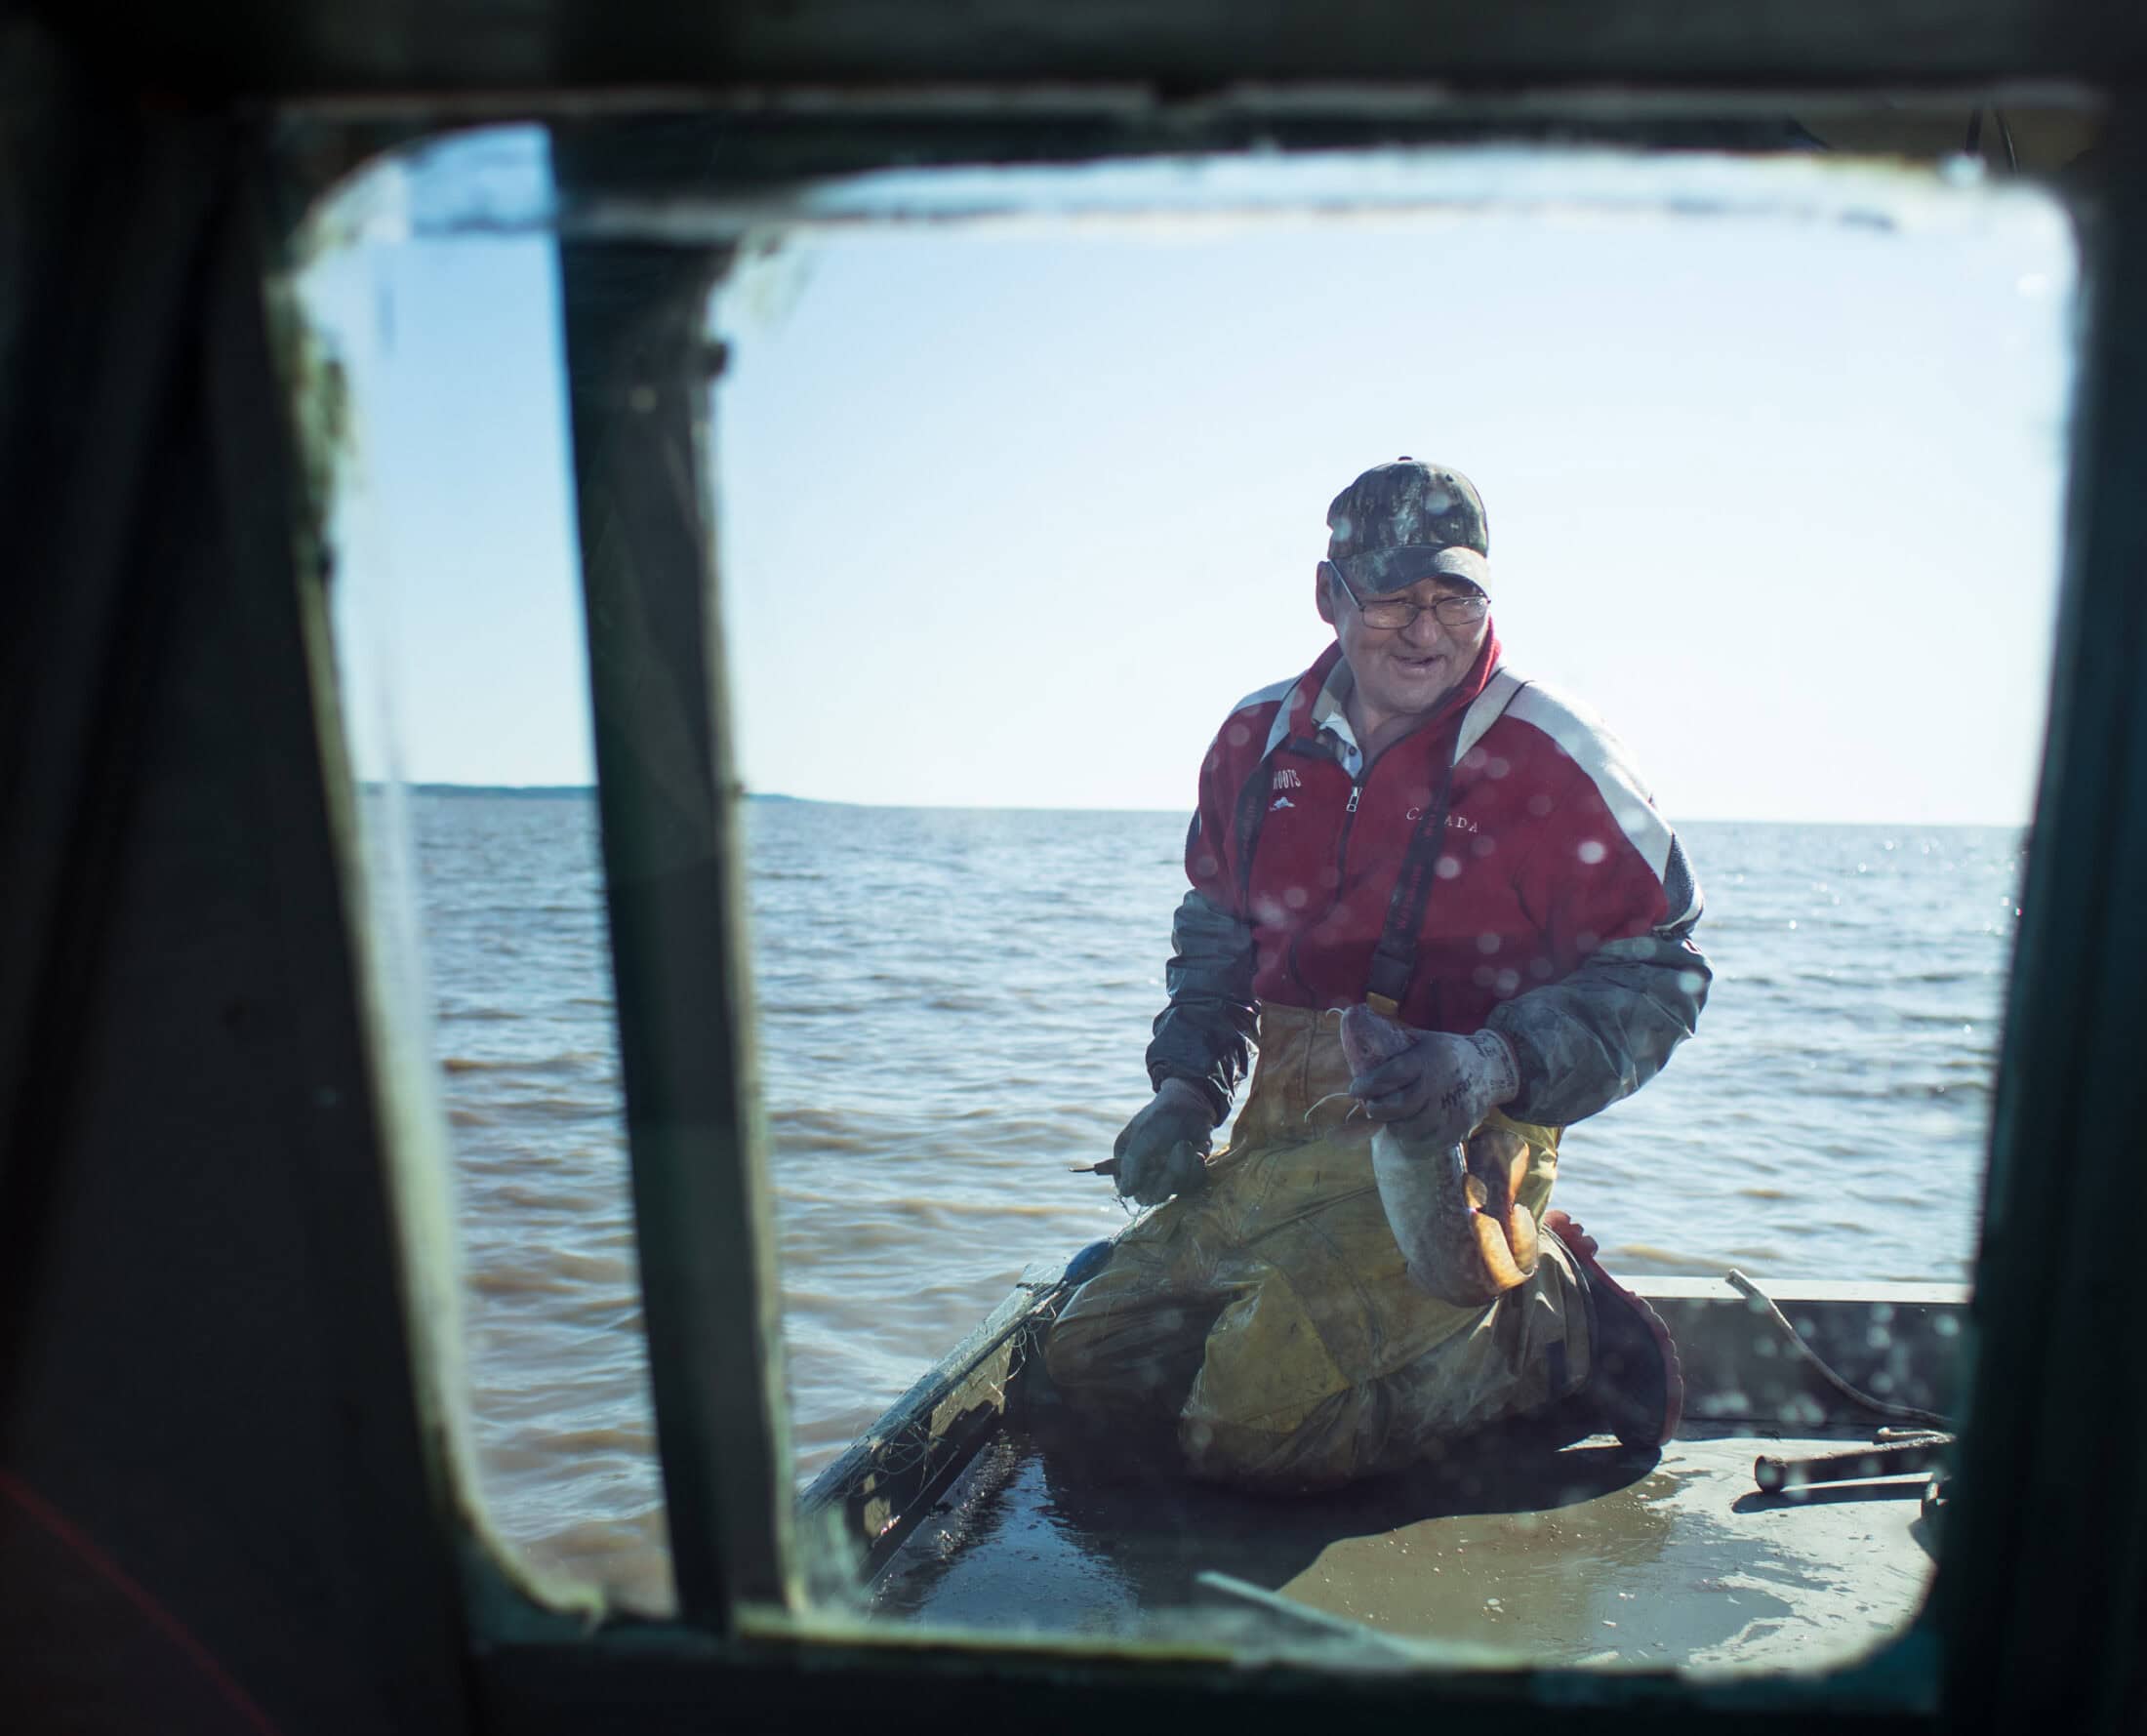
x=2039 y=1592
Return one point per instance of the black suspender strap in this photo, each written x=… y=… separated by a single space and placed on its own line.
x=1252 y=812
x=1394 y=960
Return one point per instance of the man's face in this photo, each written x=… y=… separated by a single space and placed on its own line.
x=1403 y=672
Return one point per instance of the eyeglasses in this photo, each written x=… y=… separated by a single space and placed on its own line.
x=1387 y=614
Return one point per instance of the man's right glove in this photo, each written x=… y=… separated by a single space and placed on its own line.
x=1163 y=1148
x=1451 y=1082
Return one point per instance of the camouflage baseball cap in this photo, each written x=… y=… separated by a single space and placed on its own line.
x=1409 y=520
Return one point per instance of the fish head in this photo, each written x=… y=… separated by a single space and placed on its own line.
x=1369 y=1037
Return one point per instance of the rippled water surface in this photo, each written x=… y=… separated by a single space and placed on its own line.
x=953 y=1006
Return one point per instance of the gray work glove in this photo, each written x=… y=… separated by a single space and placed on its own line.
x=1163 y=1148
x=1453 y=1082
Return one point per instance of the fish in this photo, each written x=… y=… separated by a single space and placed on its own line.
x=1454 y=1208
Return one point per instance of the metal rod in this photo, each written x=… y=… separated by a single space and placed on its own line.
x=1892 y=1459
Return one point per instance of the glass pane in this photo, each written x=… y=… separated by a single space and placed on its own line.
x=1014 y=512
x=458 y=636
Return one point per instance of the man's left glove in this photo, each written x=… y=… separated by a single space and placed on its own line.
x=1452 y=1081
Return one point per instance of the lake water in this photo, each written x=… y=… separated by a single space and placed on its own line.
x=953 y=1005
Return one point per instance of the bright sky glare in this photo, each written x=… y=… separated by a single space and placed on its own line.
x=1012 y=516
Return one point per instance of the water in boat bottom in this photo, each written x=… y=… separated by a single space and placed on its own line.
x=953 y=1008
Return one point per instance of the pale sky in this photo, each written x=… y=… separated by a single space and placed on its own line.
x=1012 y=515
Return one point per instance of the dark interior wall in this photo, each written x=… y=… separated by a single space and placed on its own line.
x=1177 y=46
x=214 y=1510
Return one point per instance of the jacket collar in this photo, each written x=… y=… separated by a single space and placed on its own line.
x=1315 y=703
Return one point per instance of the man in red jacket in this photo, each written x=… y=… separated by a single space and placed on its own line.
x=1409 y=824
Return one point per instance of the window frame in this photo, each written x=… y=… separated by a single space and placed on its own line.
x=2031 y=1608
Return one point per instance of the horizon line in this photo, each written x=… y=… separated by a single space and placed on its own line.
x=541 y=790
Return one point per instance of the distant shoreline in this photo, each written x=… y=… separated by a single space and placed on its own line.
x=544 y=791
x=583 y=791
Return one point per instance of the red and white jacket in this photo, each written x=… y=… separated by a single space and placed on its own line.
x=1559 y=912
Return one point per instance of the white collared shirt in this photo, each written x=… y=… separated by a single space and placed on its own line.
x=1328 y=714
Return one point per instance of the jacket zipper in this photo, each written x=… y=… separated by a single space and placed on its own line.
x=1341 y=858
x=1342 y=841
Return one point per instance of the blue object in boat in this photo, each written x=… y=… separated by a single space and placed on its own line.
x=1088 y=1262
